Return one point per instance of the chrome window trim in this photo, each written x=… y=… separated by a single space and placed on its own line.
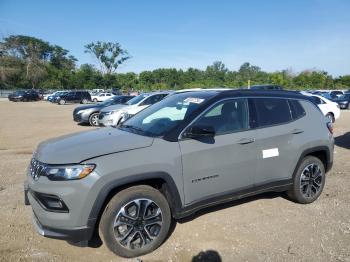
x=180 y=137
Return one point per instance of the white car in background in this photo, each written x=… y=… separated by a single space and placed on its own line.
x=114 y=115
x=101 y=97
x=329 y=108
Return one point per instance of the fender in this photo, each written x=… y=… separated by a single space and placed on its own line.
x=173 y=195
x=309 y=151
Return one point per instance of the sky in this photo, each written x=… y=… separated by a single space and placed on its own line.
x=272 y=34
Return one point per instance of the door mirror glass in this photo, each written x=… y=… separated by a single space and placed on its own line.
x=200 y=131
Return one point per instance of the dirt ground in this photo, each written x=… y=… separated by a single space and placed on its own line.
x=263 y=228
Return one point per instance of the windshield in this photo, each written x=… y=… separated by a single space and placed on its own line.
x=163 y=116
x=109 y=102
x=345 y=96
x=136 y=99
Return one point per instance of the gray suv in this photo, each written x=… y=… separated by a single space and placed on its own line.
x=189 y=151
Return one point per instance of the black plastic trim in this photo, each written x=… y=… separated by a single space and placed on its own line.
x=173 y=198
x=276 y=186
x=73 y=235
x=39 y=198
x=309 y=151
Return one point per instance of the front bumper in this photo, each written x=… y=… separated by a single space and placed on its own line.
x=105 y=120
x=72 y=235
x=81 y=118
x=343 y=106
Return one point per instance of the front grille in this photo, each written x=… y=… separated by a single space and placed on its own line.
x=36 y=168
x=77 y=118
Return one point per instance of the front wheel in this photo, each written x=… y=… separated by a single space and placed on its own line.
x=93 y=119
x=309 y=181
x=95 y=100
x=62 y=101
x=136 y=221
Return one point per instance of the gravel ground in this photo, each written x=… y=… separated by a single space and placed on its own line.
x=263 y=228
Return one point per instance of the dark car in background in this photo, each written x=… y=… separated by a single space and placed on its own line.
x=266 y=87
x=343 y=101
x=82 y=97
x=336 y=94
x=89 y=113
x=24 y=96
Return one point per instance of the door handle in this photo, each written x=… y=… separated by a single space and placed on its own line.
x=297 y=131
x=245 y=141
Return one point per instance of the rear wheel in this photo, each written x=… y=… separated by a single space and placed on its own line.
x=309 y=181
x=84 y=101
x=93 y=119
x=95 y=100
x=136 y=221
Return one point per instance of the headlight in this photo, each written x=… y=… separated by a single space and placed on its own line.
x=110 y=113
x=68 y=172
x=80 y=112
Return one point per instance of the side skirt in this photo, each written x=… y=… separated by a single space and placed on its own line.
x=277 y=186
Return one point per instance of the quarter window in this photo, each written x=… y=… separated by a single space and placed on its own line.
x=272 y=111
x=227 y=117
x=296 y=109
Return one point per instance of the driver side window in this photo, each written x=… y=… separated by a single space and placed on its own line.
x=226 y=117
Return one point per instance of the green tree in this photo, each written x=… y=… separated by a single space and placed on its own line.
x=109 y=55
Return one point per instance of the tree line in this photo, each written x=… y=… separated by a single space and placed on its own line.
x=29 y=62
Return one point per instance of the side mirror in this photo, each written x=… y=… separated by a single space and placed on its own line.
x=200 y=131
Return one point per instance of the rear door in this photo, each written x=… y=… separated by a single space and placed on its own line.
x=275 y=135
x=223 y=164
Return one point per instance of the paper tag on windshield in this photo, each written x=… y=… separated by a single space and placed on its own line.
x=193 y=100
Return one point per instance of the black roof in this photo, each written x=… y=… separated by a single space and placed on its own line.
x=253 y=93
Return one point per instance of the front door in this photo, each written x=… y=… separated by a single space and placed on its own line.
x=224 y=163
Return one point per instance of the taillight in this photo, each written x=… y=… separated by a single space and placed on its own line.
x=330 y=127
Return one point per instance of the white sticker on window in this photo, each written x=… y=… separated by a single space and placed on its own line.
x=273 y=152
x=193 y=100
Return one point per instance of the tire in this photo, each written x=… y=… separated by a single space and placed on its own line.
x=62 y=102
x=84 y=101
x=348 y=107
x=93 y=119
x=311 y=189
x=330 y=116
x=95 y=100
x=124 y=202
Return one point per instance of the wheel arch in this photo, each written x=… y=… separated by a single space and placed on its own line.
x=159 y=180
x=321 y=152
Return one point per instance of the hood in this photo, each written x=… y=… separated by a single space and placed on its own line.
x=113 y=107
x=92 y=106
x=75 y=148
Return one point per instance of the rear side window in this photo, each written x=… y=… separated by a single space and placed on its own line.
x=272 y=111
x=296 y=109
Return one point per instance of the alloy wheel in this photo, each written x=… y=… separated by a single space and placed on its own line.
x=94 y=120
x=138 y=223
x=311 y=180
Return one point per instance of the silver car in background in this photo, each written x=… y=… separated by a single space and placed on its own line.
x=114 y=115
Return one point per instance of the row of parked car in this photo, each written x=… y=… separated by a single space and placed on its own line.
x=117 y=109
